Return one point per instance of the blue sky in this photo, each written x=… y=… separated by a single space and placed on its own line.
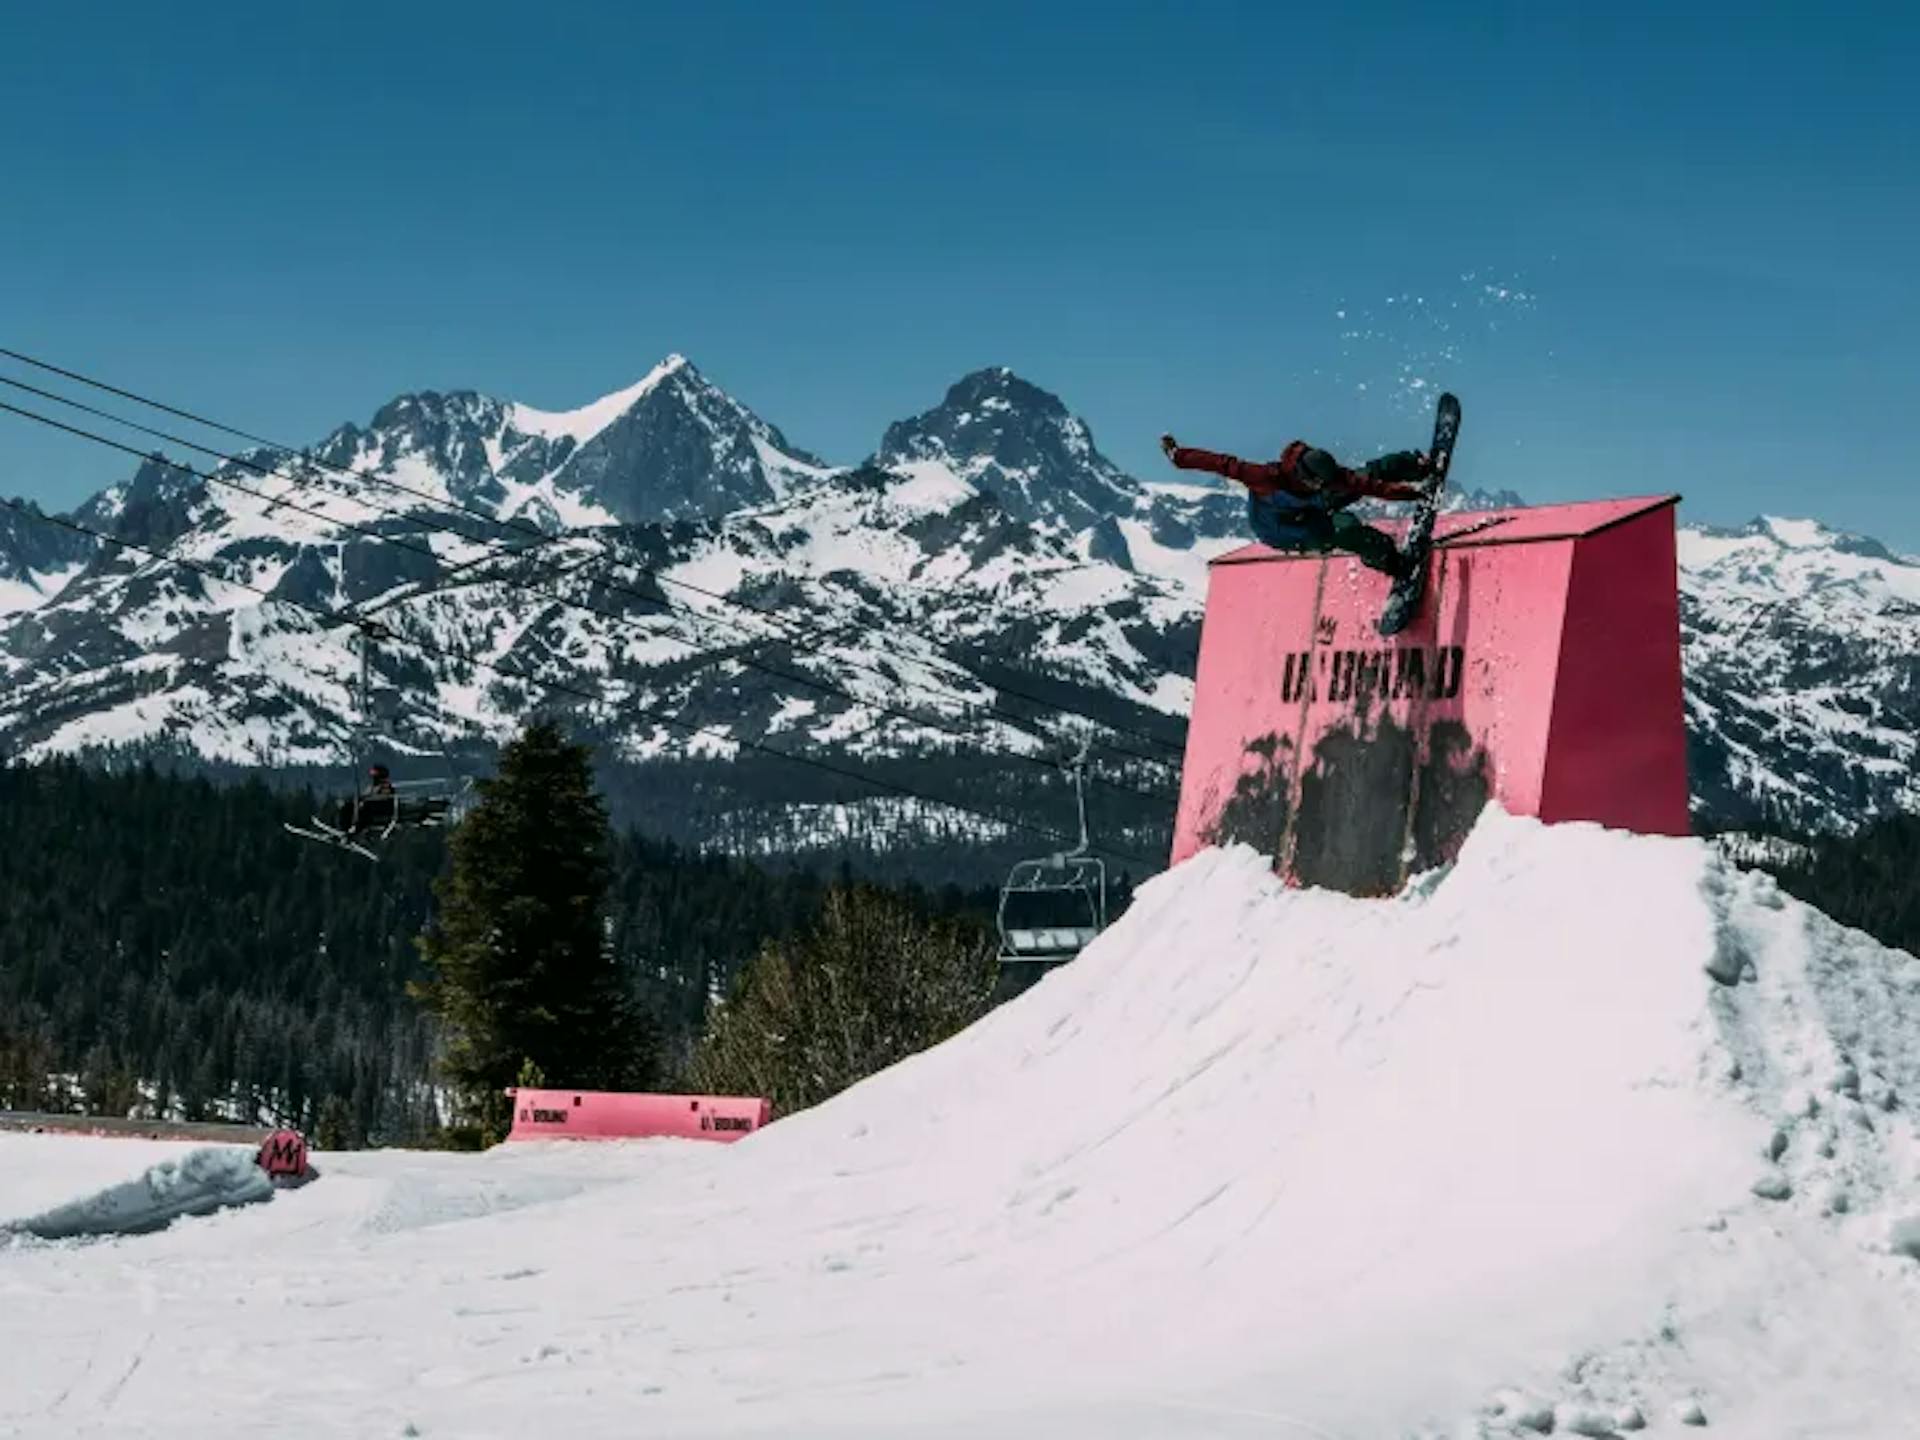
x=1703 y=219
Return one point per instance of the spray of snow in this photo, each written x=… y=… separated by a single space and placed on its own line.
x=1395 y=352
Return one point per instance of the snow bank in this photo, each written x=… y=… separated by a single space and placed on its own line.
x=206 y=1179
x=39 y=1170
x=1591 y=1131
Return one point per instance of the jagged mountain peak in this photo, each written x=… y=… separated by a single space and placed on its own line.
x=676 y=446
x=672 y=445
x=431 y=406
x=579 y=424
x=582 y=424
x=1018 y=442
x=1783 y=545
x=34 y=556
x=997 y=388
x=154 y=508
x=1789 y=533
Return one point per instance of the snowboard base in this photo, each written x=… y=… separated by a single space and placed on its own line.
x=1403 y=602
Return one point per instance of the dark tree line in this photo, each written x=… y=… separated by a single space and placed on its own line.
x=1869 y=879
x=777 y=813
x=166 y=946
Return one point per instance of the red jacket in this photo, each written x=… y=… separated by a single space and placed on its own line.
x=1287 y=476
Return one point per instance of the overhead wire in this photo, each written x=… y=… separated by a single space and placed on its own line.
x=993 y=712
x=552 y=597
x=659 y=577
x=558 y=687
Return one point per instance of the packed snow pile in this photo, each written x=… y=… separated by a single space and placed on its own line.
x=203 y=1180
x=1589 y=1134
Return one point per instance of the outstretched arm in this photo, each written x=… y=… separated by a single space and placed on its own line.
x=1247 y=472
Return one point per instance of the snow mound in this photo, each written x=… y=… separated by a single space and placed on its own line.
x=206 y=1179
x=1588 y=1133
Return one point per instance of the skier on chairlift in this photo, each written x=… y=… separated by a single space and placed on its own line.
x=1298 y=502
x=373 y=806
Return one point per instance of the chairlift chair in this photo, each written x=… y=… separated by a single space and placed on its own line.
x=383 y=805
x=1052 y=908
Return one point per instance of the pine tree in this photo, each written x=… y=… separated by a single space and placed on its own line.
x=872 y=982
x=335 y=1130
x=519 y=960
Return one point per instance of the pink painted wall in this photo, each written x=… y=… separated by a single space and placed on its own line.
x=1617 y=704
x=1542 y=670
x=614 y=1115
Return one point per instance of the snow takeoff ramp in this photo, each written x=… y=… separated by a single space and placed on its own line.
x=1264 y=1162
x=1543 y=671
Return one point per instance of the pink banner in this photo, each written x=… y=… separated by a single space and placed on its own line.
x=616 y=1115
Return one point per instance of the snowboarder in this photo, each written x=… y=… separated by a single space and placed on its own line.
x=1298 y=502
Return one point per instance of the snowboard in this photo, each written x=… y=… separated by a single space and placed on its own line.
x=1403 y=602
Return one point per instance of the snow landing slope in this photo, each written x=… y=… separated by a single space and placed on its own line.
x=1591 y=1130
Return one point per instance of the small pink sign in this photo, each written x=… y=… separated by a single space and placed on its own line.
x=617 y=1115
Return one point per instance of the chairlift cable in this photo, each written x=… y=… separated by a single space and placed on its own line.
x=329 y=617
x=369 y=533
x=659 y=577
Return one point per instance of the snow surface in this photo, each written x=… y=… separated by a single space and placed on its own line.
x=588 y=421
x=932 y=487
x=197 y=1181
x=522 y=502
x=1799 y=643
x=38 y=587
x=1186 y=568
x=1492 y=1155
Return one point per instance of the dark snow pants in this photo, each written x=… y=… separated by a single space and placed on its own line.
x=1310 y=530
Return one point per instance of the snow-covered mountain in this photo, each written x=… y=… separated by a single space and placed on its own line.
x=1803 y=671
x=671 y=446
x=1016 y=442
x=664 y=548
x=36 y=559
x=703 y=591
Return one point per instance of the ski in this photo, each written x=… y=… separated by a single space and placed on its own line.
x=1403 y=602
x=327 y=835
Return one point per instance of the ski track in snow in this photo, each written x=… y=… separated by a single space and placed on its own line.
x=1263 y=1162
